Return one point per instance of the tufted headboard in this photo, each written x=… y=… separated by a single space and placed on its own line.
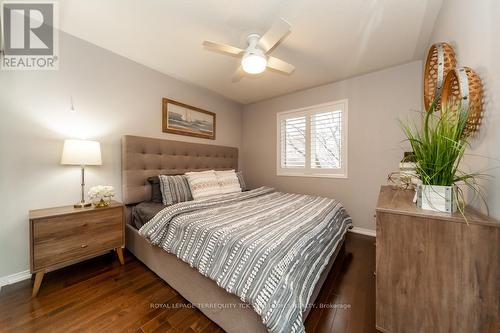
x=145 y=157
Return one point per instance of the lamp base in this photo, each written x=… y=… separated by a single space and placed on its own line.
x=82 y=205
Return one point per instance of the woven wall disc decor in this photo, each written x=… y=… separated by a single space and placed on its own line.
x=440 y=60
x=463 y=89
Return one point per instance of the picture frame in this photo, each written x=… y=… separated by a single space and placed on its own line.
x=182 y=119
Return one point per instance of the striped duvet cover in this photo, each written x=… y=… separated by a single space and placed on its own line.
x=268 y=248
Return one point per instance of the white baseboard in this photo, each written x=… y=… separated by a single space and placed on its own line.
x=363 y=231
x=13 y=278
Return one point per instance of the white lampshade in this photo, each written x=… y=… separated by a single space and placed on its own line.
x=81 y=152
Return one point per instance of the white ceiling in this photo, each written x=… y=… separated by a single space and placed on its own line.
x=331 y=39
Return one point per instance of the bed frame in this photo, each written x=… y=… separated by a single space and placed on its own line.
x=146 y=157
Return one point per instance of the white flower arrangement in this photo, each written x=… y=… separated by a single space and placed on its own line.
x=101 y=192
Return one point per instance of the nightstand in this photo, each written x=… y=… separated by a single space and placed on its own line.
x=63 y=236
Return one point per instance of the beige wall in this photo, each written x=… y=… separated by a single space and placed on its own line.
x=376 y=101
x=473 y=28
x=113 y=96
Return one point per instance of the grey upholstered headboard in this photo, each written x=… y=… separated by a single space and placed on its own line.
x=145 y=157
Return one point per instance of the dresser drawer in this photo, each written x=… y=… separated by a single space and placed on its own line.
x=69 y=237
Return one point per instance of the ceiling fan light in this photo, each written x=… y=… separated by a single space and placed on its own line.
x=254 y=63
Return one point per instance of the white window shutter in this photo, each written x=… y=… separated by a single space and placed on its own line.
x=293 y=142
x=312 y=141
x=326 y=140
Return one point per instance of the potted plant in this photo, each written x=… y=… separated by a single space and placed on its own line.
x=438 y=148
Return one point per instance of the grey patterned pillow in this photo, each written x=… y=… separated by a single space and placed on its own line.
x=243 y=186
x=174 y=189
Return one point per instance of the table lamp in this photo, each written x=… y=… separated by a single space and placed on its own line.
x=82 y=153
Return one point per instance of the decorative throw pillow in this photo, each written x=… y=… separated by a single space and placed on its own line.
x=243 y=185
x=174 y=189
x=203 y=184
x=155 y=189
x=228 y=181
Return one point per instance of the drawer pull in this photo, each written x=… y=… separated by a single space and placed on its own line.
x=83 y=246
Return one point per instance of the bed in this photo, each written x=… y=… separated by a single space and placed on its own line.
x=146 y=157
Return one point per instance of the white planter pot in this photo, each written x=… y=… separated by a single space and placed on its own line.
x=437 y=198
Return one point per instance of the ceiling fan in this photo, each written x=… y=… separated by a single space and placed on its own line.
x=255 y=58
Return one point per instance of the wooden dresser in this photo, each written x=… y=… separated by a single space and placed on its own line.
x=63 y=236
x=434 y=272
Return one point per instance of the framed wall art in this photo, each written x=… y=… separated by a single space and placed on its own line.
x=183 y=119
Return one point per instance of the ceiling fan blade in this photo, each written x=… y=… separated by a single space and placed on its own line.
x=224 y=48
x=238 y=75
x=272 y=37
x=280 y=65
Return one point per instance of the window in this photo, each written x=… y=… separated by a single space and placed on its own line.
x=313 y=141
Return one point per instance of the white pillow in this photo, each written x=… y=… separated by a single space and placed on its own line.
x=228 y=181
x=203 y=184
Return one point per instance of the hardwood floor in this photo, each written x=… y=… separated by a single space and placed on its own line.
x=351 y=283
x=99 y=295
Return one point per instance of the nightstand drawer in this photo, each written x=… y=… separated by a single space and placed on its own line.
x=69 y=237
